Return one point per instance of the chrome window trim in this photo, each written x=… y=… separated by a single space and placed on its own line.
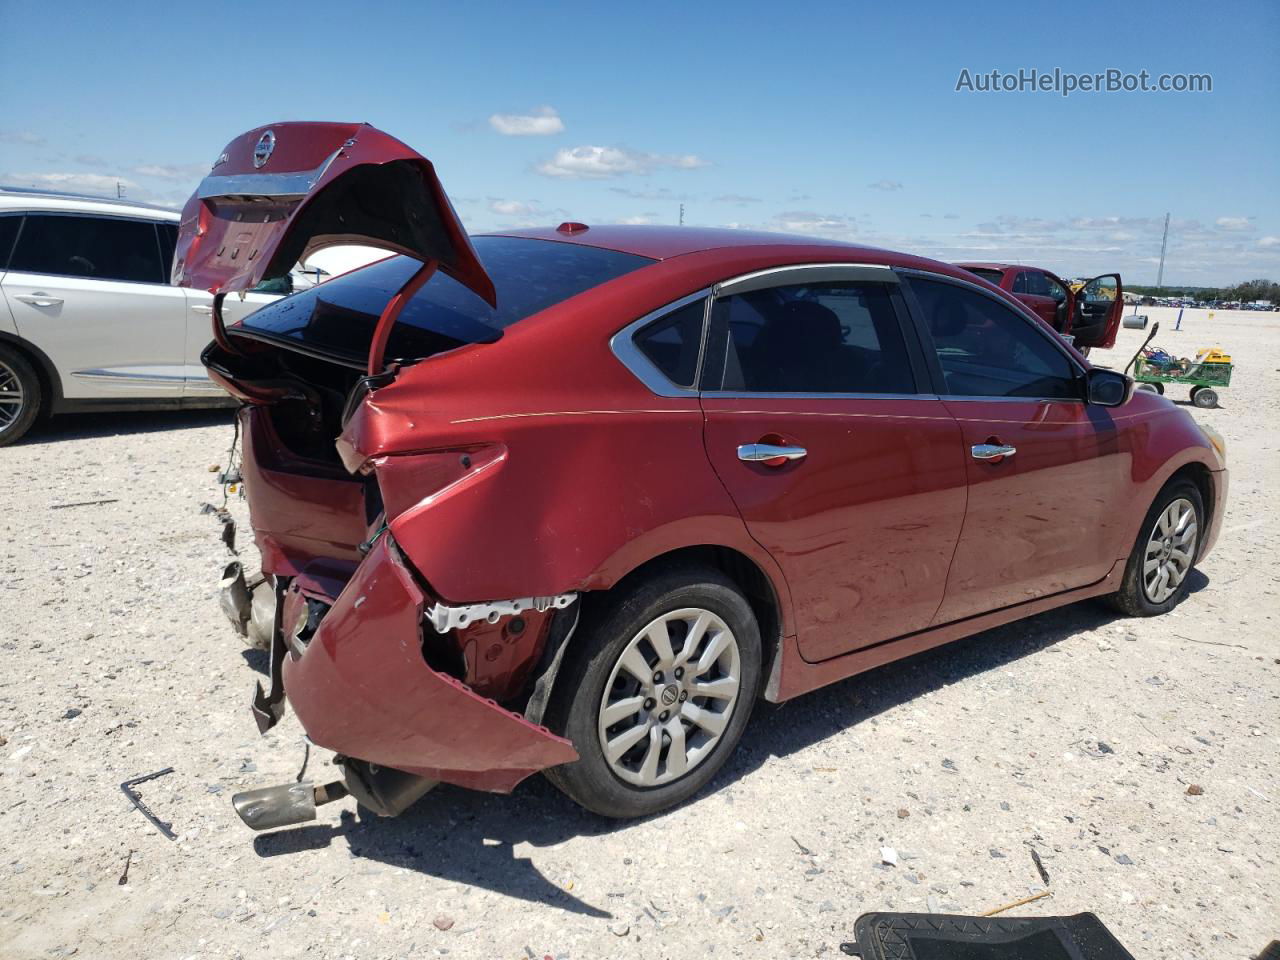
x=747 y=395
x=805 y=273
x=1038 y=325
x=966 y=398
x=296 y=183
x=645 y=370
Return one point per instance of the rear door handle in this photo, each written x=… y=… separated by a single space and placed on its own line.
x=39 y=299
x=202 y=308
x=764 y=452
x=992 y=451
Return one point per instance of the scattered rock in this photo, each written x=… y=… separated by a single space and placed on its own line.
x=889 y=856
x=72 y=713
x=620 y=929
x=1124 y=860
x=995 y=854
x=443 y=922
x=903 y=813
x=1195 y=790
x=1105 y=647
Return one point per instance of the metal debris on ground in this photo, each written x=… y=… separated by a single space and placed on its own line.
x=1044 y=874
x=124 y=877
x=127 y=787
x=83 y=503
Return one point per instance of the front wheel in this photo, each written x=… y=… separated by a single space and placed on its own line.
x=655 y=692
x=1157 y=575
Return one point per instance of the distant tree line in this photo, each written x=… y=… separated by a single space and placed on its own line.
x=1244 y=292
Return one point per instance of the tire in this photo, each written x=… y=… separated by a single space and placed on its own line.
x=21 y=396
x=668 y=713
x=1206 y=398
x=1152 y=388
x=1138 y=596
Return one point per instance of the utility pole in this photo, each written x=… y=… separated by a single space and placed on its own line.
x=682 y=214
x=1164 y=244
x=119 y=190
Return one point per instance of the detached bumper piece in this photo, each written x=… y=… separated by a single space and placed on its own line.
x=940 y=936
x=362 y=688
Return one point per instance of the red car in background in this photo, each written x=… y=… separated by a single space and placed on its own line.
x=1090 y=316
x=572 y=499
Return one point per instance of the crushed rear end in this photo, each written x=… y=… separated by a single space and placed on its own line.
x=405 y=687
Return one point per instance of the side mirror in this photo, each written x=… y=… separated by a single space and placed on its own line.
x=1136 y=321
x=1108 y=388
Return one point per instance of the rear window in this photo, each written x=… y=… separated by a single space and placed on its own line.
x=991 y=276
x=338 y=317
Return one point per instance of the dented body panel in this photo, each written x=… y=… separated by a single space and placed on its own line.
x=363 y=689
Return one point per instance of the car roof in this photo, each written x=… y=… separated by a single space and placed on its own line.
x=52 y=201
x=664 y=242
x=975 y=265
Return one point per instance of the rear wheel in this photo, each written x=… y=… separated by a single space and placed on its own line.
x=1157 y=575
x=1152 y=387
x=1204 y=397
x=20 y=395
x=655 y=692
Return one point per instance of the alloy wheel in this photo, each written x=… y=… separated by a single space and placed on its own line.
x=12 y=398
x=670 y=697
x=1170 y=551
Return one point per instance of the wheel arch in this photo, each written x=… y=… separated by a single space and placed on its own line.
x=50 y=382
x=759 y=589
x=1198 y=473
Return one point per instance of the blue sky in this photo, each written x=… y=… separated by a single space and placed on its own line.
x=837 y=119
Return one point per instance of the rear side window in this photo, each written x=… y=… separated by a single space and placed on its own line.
x=672 y=344
x=96 y=248
x=1020 y=282
x=827 y=338
x=168 y=234
x=8 y=233
x=986 y=349
x=338 y=317
x=991 y=276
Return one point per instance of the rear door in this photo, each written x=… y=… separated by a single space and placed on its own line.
x=90 y=292
x=848 y=473
x=1046 y=470
x=1096 y=312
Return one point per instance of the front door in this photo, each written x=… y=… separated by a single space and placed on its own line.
x=1096 y=309
x=90 y=292
x=1046 y=470
x=850 y=477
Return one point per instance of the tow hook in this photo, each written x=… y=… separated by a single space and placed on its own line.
x=269 y=807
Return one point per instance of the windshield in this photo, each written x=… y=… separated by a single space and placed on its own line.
x=337 y=317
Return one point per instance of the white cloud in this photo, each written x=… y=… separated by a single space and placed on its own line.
x=637 y=220
x=512 y=208
x=21 y=136
x=806 y=221
x=98 y=183
x=600 y=163
x=1234 y=223
x=738 y=198
x=1269 y=241
x=540 y=122
x=172 y=171
x=885 y=185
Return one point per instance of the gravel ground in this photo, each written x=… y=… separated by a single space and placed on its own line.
x=1136 y=757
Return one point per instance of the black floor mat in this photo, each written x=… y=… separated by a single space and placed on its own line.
x=941 y=936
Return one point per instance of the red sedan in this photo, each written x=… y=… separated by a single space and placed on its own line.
x=572 y=499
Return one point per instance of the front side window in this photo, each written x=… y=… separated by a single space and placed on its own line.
x=1037 y=283
x=986 y=349
x=96 y=248
x=1055 y=289
x=838 y=337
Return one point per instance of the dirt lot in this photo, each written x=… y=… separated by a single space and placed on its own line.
x=1075 y=734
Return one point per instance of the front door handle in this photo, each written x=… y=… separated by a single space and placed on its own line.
x=992 y=452
x=40 y=299
x=202 y=308
x=770 y=454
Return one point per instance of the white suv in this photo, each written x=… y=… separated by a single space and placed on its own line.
x=88 y=320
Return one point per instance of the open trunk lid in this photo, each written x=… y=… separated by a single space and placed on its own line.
x=278 y=193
